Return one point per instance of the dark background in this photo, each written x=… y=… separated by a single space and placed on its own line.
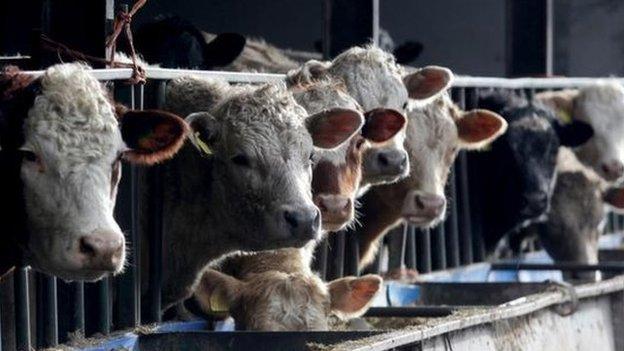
x=467 y=35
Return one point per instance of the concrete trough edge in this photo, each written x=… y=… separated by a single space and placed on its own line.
x=515 y=308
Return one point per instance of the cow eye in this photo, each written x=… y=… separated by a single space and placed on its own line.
x=30 y=156
x=405 y=105
x=241 y=160
x=311 y=158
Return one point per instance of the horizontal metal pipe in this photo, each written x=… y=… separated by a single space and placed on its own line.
x=245 y=77
x=560 y=266
x=412 y=311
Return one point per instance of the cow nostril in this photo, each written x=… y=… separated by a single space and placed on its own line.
x=383 y=160
x=86 y=247
x=292 y=218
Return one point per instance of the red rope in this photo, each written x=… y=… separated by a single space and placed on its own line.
x=122 y=22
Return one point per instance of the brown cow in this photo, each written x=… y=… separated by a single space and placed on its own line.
x=435 y=133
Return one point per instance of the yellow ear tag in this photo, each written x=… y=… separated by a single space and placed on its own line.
x=200 y=144
x=564 y=116
x=218 y=302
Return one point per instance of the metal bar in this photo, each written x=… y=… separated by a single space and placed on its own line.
x=47 y=308
x=322 y=258
x=128 y=303
x=22 y=309
x=104 y=307
x=438 y=247
x=244 y=77
x=396 y=239
x=560 y=266
x=410 y=250
x=462 y=189
x=423 y=246
x=352 y=254
x=412 y=311
x=155 y=230
x=464 y=217
x=451 y=225
x=476 y=218
x=338 y=258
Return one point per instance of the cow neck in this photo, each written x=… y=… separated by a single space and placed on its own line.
x=14 y=107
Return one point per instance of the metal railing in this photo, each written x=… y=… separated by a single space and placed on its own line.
x=37 y=310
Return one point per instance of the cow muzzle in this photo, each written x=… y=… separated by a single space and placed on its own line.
x=336 y=210
x=423 y=209
x=102 y=251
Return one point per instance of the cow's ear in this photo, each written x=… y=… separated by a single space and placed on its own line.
x=223 y=49
x=428 y=82
x=573 y=134
x=477 y=128
x=351 y=296
x=382 y=124
x=151 y=136
x=204 y=131
x=330 y=128
x=217 y=292
x=562 y=102
x=614 y=197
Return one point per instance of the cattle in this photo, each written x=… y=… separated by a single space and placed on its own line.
x=577 y=215
x=374 y=80
x=173 y=42
x=516 y=175
x=601 y=105
x=62 y=141
x=435 y=133
x=337 y=173
x=244 y=182
x=279 y=292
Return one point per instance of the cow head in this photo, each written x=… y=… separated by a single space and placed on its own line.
x=277 y=301
x=522 y=163
x=577 y=218
x=435 y=134
x=601 y=106
x=262 y=146
x=337 y=173
x=69 y=152
x=372 y=77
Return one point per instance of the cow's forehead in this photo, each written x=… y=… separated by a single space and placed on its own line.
x=371 y=77
x=434 y=122
x=267 y=118
x=73 y=115
x=323 y=95
x=601 y=105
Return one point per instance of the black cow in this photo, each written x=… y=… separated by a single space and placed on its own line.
x=516 y=176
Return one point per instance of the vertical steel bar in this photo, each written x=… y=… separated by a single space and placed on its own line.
x=352 y=254
x=104 y=308
x=451 y=225
x=156 y=234
x=323 y=258
x=127 y=305
x=438 y=247
x=396 y=247
x=47 y=311
x=423 y=246
x=476 y=218
x=464 y=214
x=22 y=309
x=410 y=250
x=338 y=250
